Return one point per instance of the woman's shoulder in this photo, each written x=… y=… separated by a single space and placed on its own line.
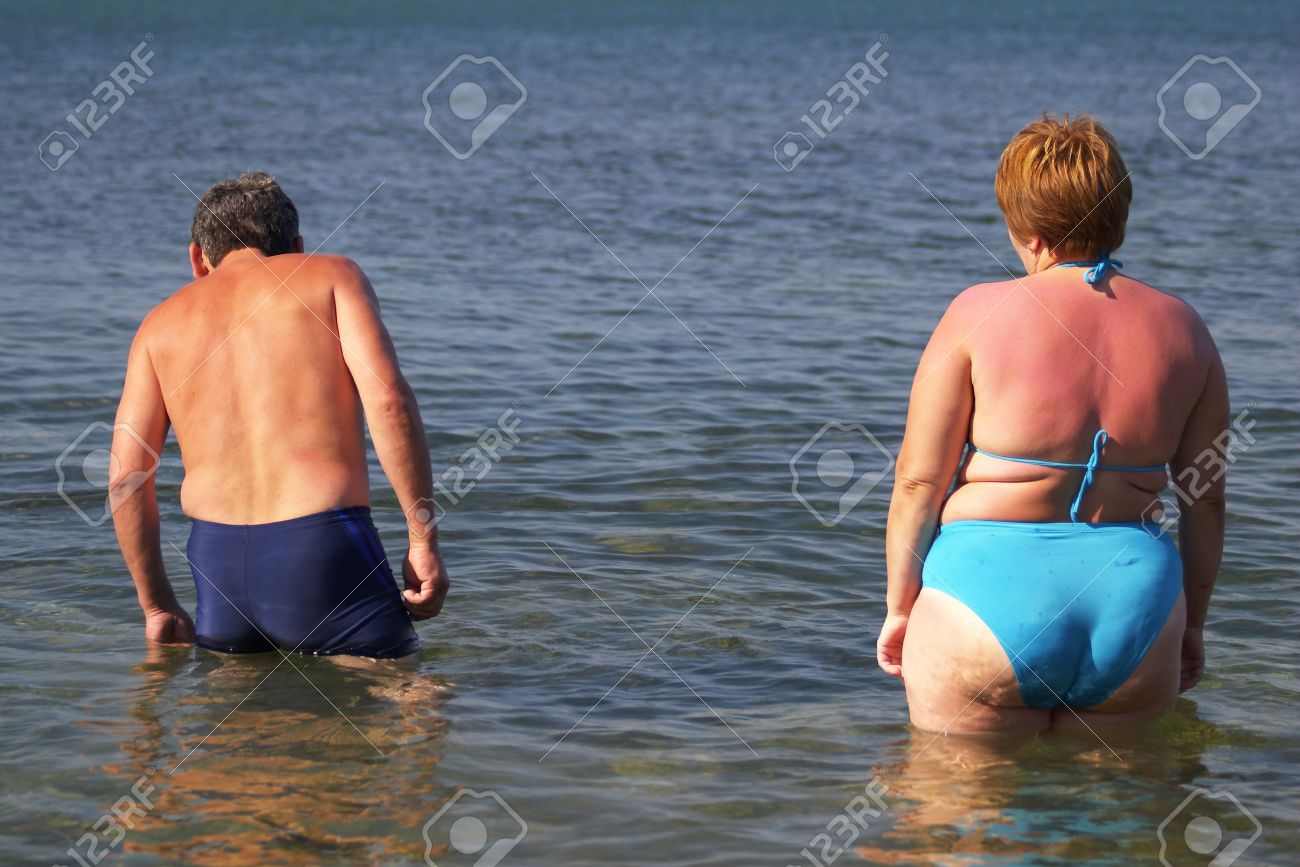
x=1167 y=306
x=979 y=300
x=980 y=294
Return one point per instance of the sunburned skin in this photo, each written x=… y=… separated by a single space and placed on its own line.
x=1052 y=360
x=1033 y=368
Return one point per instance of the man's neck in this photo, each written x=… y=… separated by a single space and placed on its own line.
x=241 y=255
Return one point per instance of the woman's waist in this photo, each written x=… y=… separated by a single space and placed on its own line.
x=1046 y=500
x=1056 y=550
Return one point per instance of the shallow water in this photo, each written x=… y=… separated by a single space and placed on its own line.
x=649 y=502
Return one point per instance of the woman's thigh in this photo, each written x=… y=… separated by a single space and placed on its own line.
x=957 y=675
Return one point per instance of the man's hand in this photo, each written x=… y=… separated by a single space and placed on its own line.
x=426 y=581
x=168 y=627
x=889 y=646
x=1193 y=659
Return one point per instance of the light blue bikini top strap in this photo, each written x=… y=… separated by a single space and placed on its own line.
x=1060 y=465
x=1096 y=270
x=1064 y=465
x=1090 y=468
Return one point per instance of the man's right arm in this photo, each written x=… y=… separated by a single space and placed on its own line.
x=397 y=432
x=139 y=433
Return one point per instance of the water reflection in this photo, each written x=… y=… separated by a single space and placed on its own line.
x=253 y=763
x=959 y=800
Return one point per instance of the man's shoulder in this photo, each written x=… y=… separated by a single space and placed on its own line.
x=321 y=271
x=170 y=308
x=335 y=270
x=316 y=263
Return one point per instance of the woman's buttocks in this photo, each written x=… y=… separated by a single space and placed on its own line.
x=1075 y=606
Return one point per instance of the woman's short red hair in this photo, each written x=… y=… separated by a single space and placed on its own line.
x=1064 y=181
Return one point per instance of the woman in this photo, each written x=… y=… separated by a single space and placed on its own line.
x=1032 y=595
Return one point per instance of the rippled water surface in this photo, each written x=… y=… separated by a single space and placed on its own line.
x=649 y=502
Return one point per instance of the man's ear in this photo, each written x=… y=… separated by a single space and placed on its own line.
x=198 y=262
x=297 y=244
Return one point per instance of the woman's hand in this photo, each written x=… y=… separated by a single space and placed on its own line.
x=889 y=646
x=1193 y=659
x=170 y=626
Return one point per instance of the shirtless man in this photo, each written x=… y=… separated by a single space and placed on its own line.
x=265 y=365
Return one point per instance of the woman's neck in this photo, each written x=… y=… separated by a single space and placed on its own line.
x=1051 y=258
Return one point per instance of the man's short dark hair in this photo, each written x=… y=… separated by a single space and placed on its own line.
x=247 y=211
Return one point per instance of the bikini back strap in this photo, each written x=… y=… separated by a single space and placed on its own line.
x=1059 y=465
x=1089 y=469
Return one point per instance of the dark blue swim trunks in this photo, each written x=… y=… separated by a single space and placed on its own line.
x=318 y=584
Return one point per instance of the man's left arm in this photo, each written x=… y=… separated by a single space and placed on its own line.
x=138 y=437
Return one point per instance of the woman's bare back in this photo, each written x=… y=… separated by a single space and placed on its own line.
x=1053 y=360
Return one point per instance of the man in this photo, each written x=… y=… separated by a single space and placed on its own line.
x=264 y=365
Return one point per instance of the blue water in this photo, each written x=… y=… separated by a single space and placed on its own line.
x=654 y=467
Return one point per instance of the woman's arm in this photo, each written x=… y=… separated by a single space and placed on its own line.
x=1200 y=472
x=938 y=420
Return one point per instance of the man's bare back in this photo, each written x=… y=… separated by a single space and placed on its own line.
x=267 y=406
x=267 y=365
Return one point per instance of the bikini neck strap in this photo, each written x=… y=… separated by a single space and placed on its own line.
x=1096 y=270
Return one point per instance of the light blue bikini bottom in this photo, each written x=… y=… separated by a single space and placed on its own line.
x=1075 y=606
